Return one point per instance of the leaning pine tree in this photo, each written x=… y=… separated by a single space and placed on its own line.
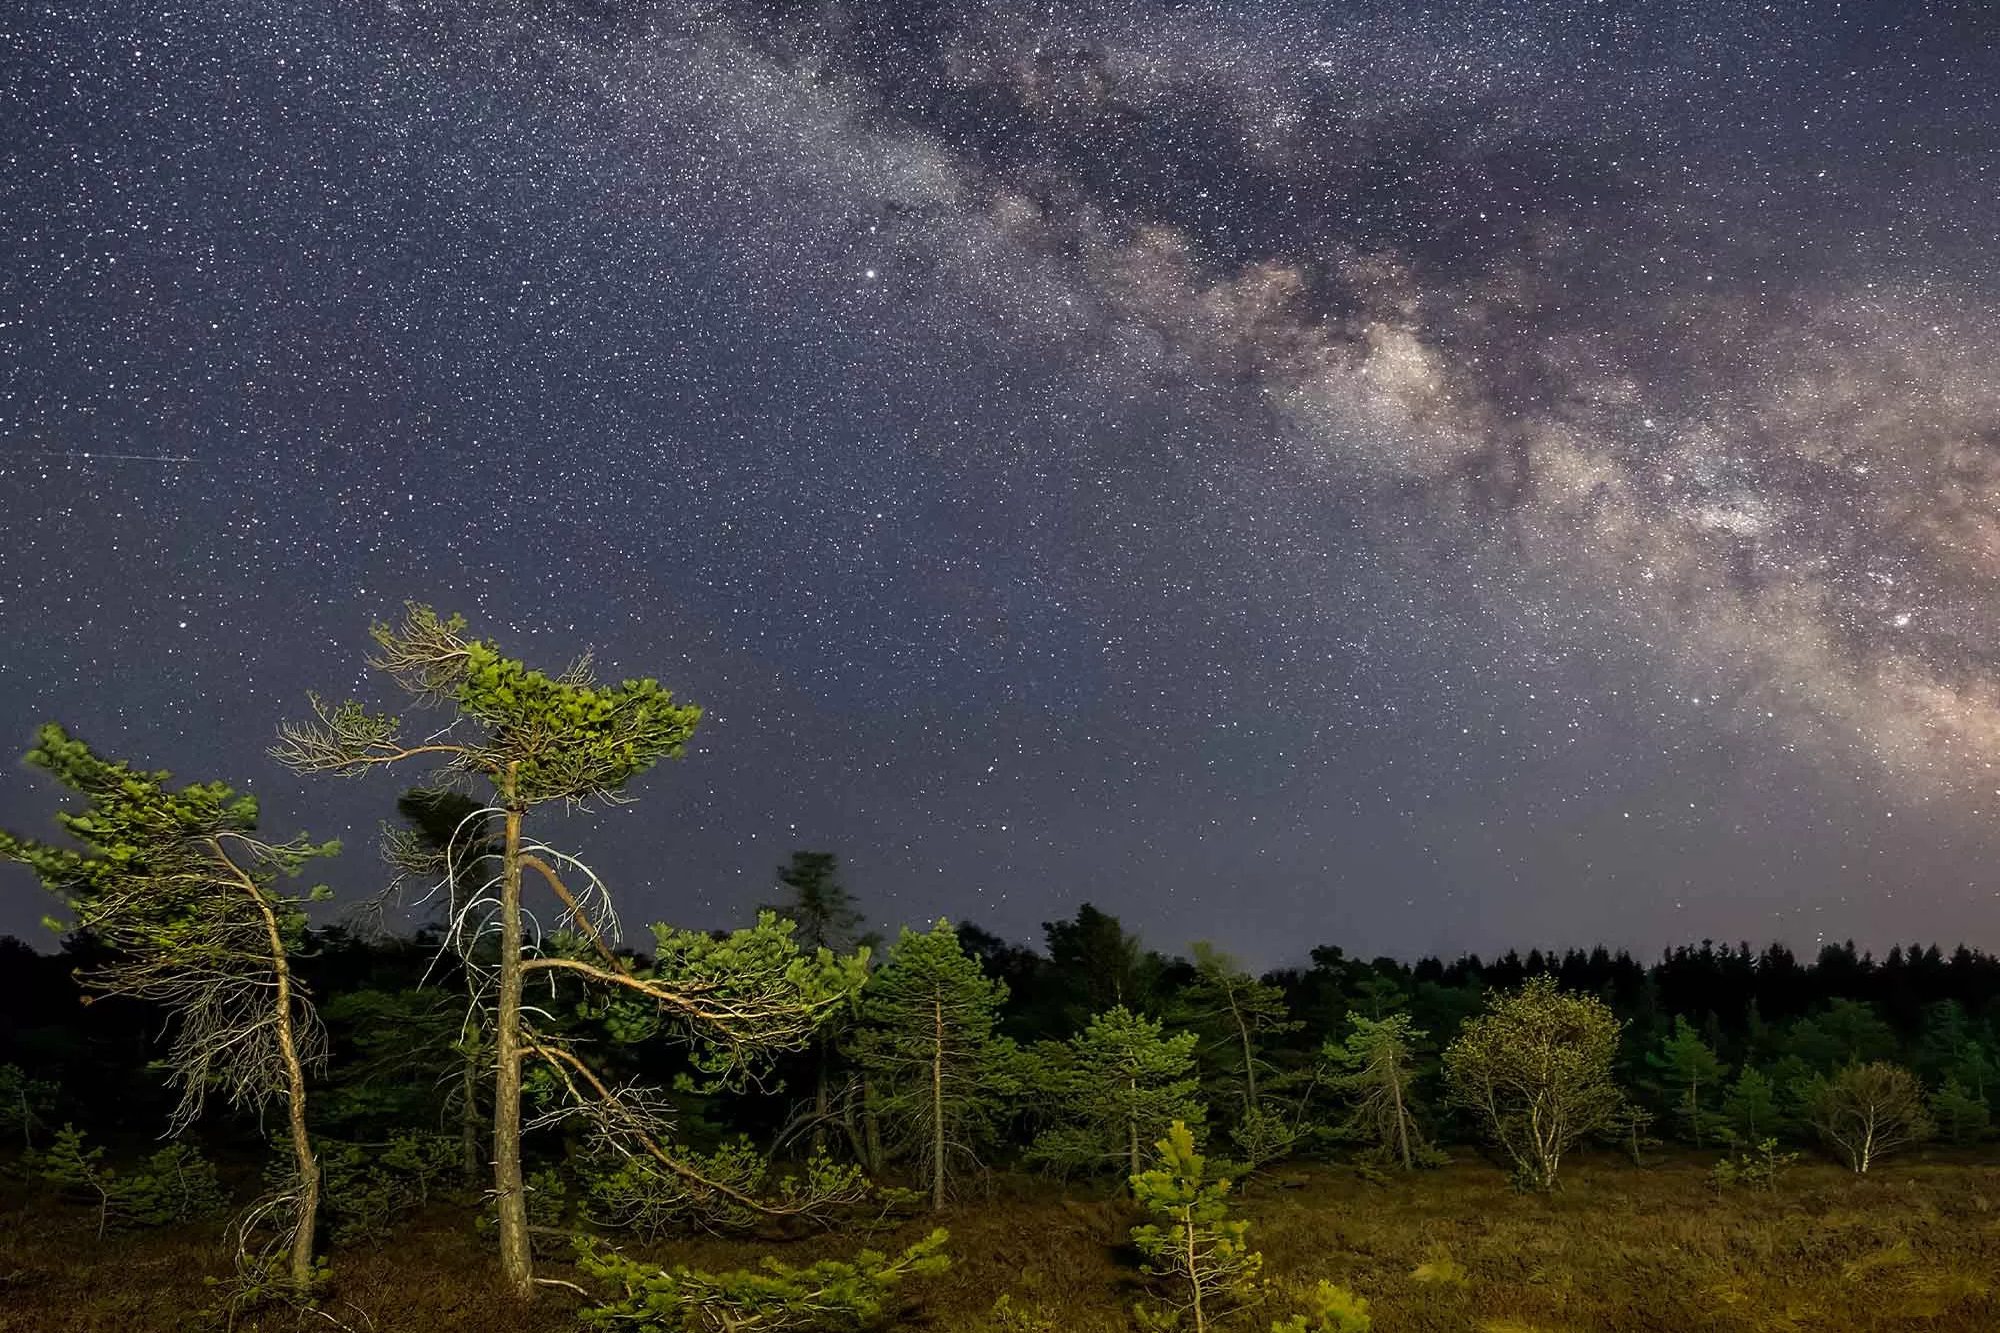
x=941 y=1076
x=531 y=739
x=183 y=897
x=1376 y=1067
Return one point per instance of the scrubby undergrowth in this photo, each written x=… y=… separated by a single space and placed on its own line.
x=1914 y=1246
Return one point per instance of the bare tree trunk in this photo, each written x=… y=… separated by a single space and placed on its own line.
x=1194 y=1272
x=820 y=1095
x=511 y=1200
x=303 y=1161
x=1132 y=1123
x=1249 y=1059
x=937 y=1105
x=1402 y=1122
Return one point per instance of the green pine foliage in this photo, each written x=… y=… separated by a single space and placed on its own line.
x=1375 y=1070
x=1109 y=1089
x=639 y=1195
x=174 y=1185
x=1237 y=1017
x=940 y=1076
x=181 y=895
x=1196 y=1254
x=1692 y=1077
x=1750 y=1110
x=832 y=1296
x=1756 y=1168
x=535 y=738
x=1330 y=1308
x=1962 y=1116
x=25 y=1103
x=372 y=1188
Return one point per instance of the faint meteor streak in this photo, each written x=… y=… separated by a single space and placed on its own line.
x=92 y=455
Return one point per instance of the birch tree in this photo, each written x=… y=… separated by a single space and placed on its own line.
x=1867 y=1110
x=523 y=740
x=1535 y=1068
x=183 y=895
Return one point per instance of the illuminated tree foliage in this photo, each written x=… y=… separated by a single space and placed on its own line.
x=181 y=893
x=1377 y=1073
x=527 y=738
x=1196 y=1253
x=1535 y=1069
x=1111 y=1087
x=941 y=1077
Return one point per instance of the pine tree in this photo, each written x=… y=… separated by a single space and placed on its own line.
x=940 y=1075
x=1378 y=1064
x=1238 y=1014
x=1110 y=1087
x=1962 y=1116
x=827 y=918
x=1750 y=1107
x=182 y=895
x=536 y=739
x=1198 y=1254
x=1692 y=1075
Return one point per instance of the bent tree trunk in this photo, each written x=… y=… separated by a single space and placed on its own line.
x=510 y=1193
x=304 y=1164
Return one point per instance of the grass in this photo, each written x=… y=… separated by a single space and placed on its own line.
x=1914 y=1246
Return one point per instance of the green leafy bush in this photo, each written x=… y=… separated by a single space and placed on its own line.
x=831 y=1296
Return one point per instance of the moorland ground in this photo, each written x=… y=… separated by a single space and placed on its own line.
x=1914 y=1245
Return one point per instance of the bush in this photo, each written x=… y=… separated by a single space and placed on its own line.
x=1535 y=1069
x=1756 y=1169
x=1963 y=1117
x=831 y=1296
x=1331 y=1309
x=637 y=1194
x=1867 y=1110
x=369 y=1188
x=175 y=1184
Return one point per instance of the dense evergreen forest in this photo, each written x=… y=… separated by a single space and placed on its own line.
x=574 y=1097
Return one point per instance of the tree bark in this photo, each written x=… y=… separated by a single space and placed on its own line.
x=303 y=1161
x=1132 y=1123
x=516 y=1260
x=1402 y=1123
x=937 y=1105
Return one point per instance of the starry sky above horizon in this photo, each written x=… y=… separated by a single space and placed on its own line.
x=1422 y=477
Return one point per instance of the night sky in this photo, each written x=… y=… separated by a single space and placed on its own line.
x=1419 y=477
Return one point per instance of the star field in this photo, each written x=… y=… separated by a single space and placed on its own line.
x=1413 y=477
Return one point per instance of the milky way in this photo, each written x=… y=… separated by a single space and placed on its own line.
x=1413 y=477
